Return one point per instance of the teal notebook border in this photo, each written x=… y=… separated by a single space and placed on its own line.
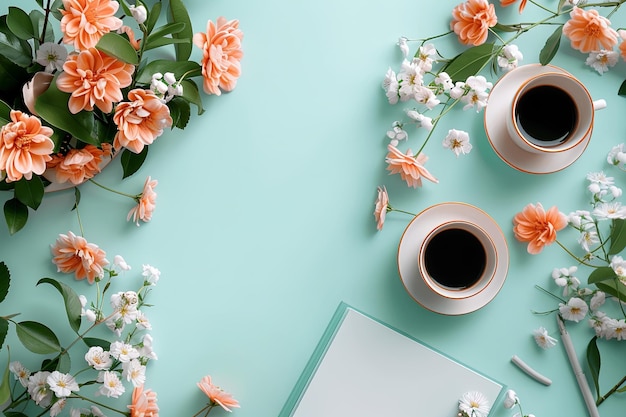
x=324 y=343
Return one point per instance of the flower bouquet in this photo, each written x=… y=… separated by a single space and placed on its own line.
x=85 y=80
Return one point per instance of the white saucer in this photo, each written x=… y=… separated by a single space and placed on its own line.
x=412 y=239
x=496 y=114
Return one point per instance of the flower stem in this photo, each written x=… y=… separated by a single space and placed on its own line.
x=581 y=261
x=208 y=409
x=134 y=197
x=99 y=404
x=611 y=391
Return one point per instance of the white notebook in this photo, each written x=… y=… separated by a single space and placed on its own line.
x=364 y=368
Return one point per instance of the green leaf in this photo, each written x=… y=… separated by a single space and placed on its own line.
x=593 y=360
x=76 y=198
x=618 y=236
x=118 y=47
x=600 y=274
x=37 y=338
x=499 y=27
x=94 y=341
x=178 y=14
x=614 y=288
x=622 y=89
x=13 y=77
x=131 y=162
x=20 y=24
x=15 y=214
x=52 y=107
x=5 y=112
x=153 y=16
x=14 y=414
x=5 y=281
x=159 y=42
x=70 y=298
x=192 y=94
x=5 y=386
x=38 y=19
x=470 y=62
x=30 y=192
x=180 y=111
x=13 y=48
x=4 y=330
x=165 y=30
x=551 y=47
x=192 y=69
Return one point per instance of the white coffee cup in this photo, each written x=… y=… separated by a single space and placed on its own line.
x=457 y=259
x=551 y=112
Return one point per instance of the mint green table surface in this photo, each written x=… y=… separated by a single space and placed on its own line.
x=264 y=215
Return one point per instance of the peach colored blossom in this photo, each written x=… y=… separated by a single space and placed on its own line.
x=622 y=45
x=506 y=3
x=217 y=395
x=94 y=79
x=73 y=253
x=25 y=146
x=471 y=21
x=146 y=203
x=85 y=21
x=382 y=207
x=141 y=120
x=537 y=226
x=144 y=403
x=410 y=168
x=221 y=55
x=78 y=165
x=588 y=31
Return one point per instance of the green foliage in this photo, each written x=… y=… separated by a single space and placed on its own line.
x=15 y=215
x=131 y=162
x=70 y=298
x=177 y=13
x=470 y=62
x=551 y=47
x=30 y=192
x=618 y=236
x=118 y=47
x=5 y=385
x=622 y=89
x=593 y=360
x=5 y=281
x=37 y=337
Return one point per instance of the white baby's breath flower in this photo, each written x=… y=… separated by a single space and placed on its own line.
x=510 y=399
x=139 y=13
x=458 y=141
x=602 y=60
x=19 y=372
x=151 y=274
x=391 y=86
x=478 y=93
x=597 y=300
x=404 y=46
x=119 y=261
x=98 y=358
x=444 y=80
x=410 y=78
x=564 y=277
x=619 y=266
x=123 y=352
x=52 y=56
x=111 y=384
x=609 y=210
x=57 y=407
x=424 y=55
x=587 y=239
x=62 y=384
x=617 y=156
x=543 y=339
x=145 y=348
x=510 y=57
x=574 y=310
x=474 y=404
x=134 y=372
x=426 y=96
x=424 y=121
x=38 y=388
x=615 y=329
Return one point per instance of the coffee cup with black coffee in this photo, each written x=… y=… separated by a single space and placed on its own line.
x=457 y=259
x=551 y=112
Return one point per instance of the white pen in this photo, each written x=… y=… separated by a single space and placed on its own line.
x=578 y=372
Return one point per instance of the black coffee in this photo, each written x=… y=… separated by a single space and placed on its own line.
x=455 y=258
x=546 y=115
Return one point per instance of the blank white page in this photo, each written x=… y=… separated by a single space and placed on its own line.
x=371 y=370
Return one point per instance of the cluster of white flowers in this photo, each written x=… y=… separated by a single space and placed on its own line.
x=125 y=359
x=410 y=84
x=165 y=86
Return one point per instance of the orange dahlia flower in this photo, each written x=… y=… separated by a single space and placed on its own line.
x=144 y=403
x=588 y=31
x=506 y=3
x=141 y=120
x=410 y=168
x=471 y=21
x=146 y=203
x=73 y=253
x=78 y=165
x=537 y=226
x=25 y=146
x=217 y=395
x=622 y=45
x=94 y=79
x=381 y=208
x=85 y=21
x=221 y=55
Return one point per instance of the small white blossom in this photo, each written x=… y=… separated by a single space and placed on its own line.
x=458 y=141
x=618 y=264
x=391 y=86
x=404 y=46
x=581 y=219
x=458 y=90
x=424 y=55
x=62 y=384
x=510 y=57
x=139 y=13
x=123 y=352
x=410 y=78
x=587 y=239
x=609 y=210
x=444 y=81
x=20 y=372
x=397 y=133
x=57 y=407
x=510 y=399
x=38 y=388
x=543 y=339
x=142 y=322
x=474 y=404
x=134 y=372
x=111 y=384
x=615 y=329
x=119 y=261
x=597 y=300
x=617 y=156
x=424 y=121
x=564 y=277
x=478 y=94
x=151 y=274
x=602 y=60
x=575 y=310
x=425 y=96
x=98 y=358
x=52 y=56
x=145 y=348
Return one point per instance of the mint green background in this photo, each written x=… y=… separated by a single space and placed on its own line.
x=264 y=216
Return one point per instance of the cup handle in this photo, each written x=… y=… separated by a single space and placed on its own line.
x=599 y=104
